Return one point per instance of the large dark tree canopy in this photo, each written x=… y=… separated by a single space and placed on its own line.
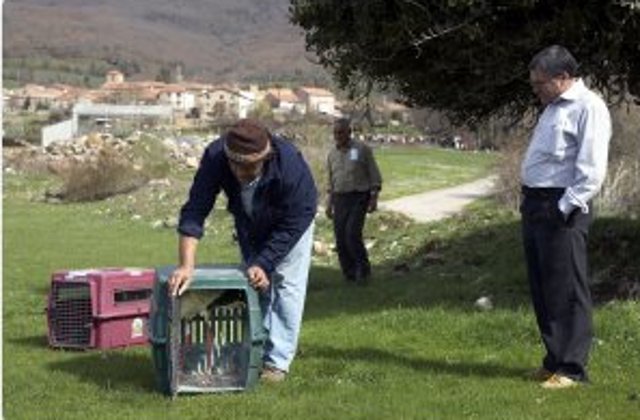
x=469 y=58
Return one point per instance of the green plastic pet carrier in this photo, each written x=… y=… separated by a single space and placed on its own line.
x=209 y=339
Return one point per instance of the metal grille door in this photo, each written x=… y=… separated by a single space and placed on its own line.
x=70 y=314
x=211 y=350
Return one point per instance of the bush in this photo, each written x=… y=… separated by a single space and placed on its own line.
x=95 y=180
x=114 y=170
x=621 y=192
x=314 y=141
x=508 y=169
x=25 y=126
x=149 y=153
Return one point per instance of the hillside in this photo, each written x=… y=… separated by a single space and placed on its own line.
x=217 y=40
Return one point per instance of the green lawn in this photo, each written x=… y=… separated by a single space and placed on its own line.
x=414 y=169
x=409 y=346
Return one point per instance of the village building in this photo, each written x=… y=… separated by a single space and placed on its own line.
x=34 y=97
x=178 y=97
x=317 y=100
x=247 y=100
x=87 y=117
x=119 y=91
x=114 y=77
x=284 y=101
x=219 y=101
x=395 y=111
x=118 y=100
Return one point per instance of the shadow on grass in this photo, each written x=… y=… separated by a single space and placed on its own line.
x=112 y=370
x=482 y=257
x=384 y=357
x=33 y=342
x=454 y=262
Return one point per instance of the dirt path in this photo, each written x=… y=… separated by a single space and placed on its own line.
x=438 y=204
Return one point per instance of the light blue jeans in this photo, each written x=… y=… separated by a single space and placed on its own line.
x=283 y=303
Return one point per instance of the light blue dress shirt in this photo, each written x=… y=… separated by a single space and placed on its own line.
x=569 y=147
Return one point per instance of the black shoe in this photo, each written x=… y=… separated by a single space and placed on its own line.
x=362 y=278
x=349 y=278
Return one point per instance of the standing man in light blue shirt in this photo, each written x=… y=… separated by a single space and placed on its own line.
x=563 y=169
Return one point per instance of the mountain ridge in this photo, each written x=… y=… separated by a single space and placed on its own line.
x=216 y=40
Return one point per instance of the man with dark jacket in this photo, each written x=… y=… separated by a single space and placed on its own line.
x=272 y=197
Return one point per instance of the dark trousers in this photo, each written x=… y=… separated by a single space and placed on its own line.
x=349 y=212
x=556 y=254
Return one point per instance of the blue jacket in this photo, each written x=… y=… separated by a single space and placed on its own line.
x=284 y=203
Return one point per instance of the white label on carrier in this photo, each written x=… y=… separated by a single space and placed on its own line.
x=353 y=154
x=79 y=275
x=137 y=327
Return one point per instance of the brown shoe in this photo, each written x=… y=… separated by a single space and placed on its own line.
x=557 y=381
x=540 y=375
x=271 y=374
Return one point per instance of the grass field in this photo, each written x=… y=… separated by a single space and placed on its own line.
x=408 y=170
x=409 y=346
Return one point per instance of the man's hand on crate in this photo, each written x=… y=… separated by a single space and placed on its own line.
x=180 y=279
x=258 y=279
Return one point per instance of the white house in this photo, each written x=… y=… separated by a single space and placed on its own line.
x=114 y=77
x=178 y=97
x=219 y=101
x=318 y=100
x=247 y=100
x=285 y=100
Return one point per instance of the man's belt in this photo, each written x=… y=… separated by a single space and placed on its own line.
x=551 y=192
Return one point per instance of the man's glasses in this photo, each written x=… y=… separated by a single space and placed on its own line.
x=542 y=82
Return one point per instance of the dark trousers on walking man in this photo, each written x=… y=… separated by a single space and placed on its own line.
x=556 y=255
x=350 y=210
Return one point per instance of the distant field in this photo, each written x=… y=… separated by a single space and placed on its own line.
x=411 y=170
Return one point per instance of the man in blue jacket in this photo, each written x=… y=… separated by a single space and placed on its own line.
x=272 y=197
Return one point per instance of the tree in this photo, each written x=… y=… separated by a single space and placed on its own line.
x=164 y=74
x=469 y=58
x=262 y=111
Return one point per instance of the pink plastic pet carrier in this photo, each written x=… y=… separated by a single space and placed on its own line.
x=99 y=308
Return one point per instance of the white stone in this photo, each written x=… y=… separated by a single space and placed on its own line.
x=484 y=303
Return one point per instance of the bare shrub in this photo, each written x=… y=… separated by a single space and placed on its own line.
x=110 y=168
x=508 y=169
x=314 y=141
x=150 y=154
x=621 y=191
x=107 y=175
x=317 y=158
x=25 y=160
